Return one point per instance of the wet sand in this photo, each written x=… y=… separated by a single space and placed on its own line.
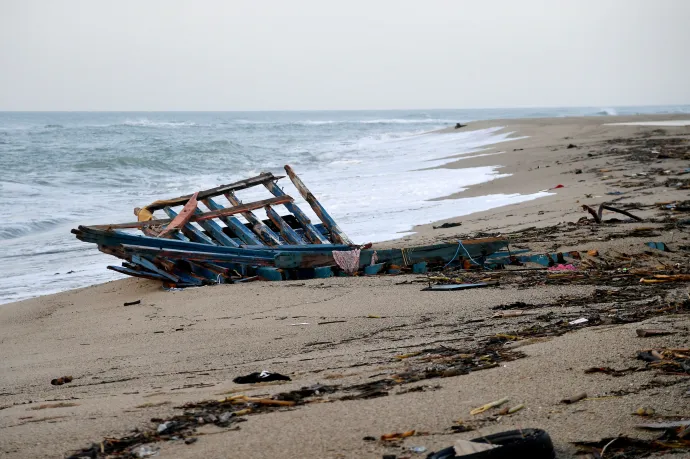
x=134 y=363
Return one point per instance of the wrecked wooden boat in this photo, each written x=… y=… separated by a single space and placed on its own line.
x=202 y=240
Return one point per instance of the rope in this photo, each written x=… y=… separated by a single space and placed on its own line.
x=468 y=256
x=405 y=256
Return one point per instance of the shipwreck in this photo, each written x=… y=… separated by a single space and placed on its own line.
x=211 y=237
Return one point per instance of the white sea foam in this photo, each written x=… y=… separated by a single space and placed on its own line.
x=144 y=122
x=381 y=189
x=608 y=112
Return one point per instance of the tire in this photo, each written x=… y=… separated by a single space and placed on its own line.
x=515 y=444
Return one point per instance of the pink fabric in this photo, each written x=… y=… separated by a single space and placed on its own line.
x=348 y=261
x=563 y=268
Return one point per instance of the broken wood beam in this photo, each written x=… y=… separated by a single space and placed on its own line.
x=203 y=216
x=337 y=234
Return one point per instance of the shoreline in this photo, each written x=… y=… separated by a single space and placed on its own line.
x=520 y=182
x=134 y=363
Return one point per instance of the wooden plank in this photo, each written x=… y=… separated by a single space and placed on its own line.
x=337 y=235
x=437 y=253
x=190 y=231
x=313 y=234
x=216 y=191
x=216 y=231
x=117 y=238
x=132 y=272
x=182 y=218
x=285 y=230
x=235 y=225
x=173 y=254
x=265 y=233
x=204 y=216
x=136 y=259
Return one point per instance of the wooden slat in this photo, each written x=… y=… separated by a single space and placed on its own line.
x=235 y=225
x=182 y=218
x=190 y=230
x=285 y=230
x=216 y=191
x=240 y=209
x=265 y=233
x=313 y=234
x=148 y=264
x=216 y=231
x=336 y=233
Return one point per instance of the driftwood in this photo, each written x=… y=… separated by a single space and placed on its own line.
x=597 y=215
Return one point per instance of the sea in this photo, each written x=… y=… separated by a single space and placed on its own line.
x=373 y=170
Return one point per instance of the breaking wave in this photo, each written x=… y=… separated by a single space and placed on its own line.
x=163 y=124
x=17 y=230
x=607 y=112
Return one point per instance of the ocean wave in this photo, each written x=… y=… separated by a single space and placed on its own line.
x=342 y=122
x=17 y=230
x=53 y=126
x=607 y=112
x=144 y=122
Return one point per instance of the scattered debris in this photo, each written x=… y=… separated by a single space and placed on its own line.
x=514 y=409
x=667 y=361
x=53 y=405
x=645 y=411
x=264 y=376
x=448 y=225
x=647 y=332
x=612 y=372
x=658 y=245
x=571 y=145
x=527 y=443
x=575 y=398
x=397 y=435
x=597 y=215
x=489 y=405
x=447 y=287
x=664 y=425
x=61 y=381
x=132 y=303
x=624 y=447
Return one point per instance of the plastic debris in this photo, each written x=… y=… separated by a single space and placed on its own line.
x=132 y=303
x=579 y=321
x=658 y=246
x=145 y=451
x=163 y=427
x=489 y=405
x=418 y=449
x=264 y=376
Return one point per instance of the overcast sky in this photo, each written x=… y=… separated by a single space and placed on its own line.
x=352 y=54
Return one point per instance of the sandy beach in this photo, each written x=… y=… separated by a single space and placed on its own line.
x=133 y=366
